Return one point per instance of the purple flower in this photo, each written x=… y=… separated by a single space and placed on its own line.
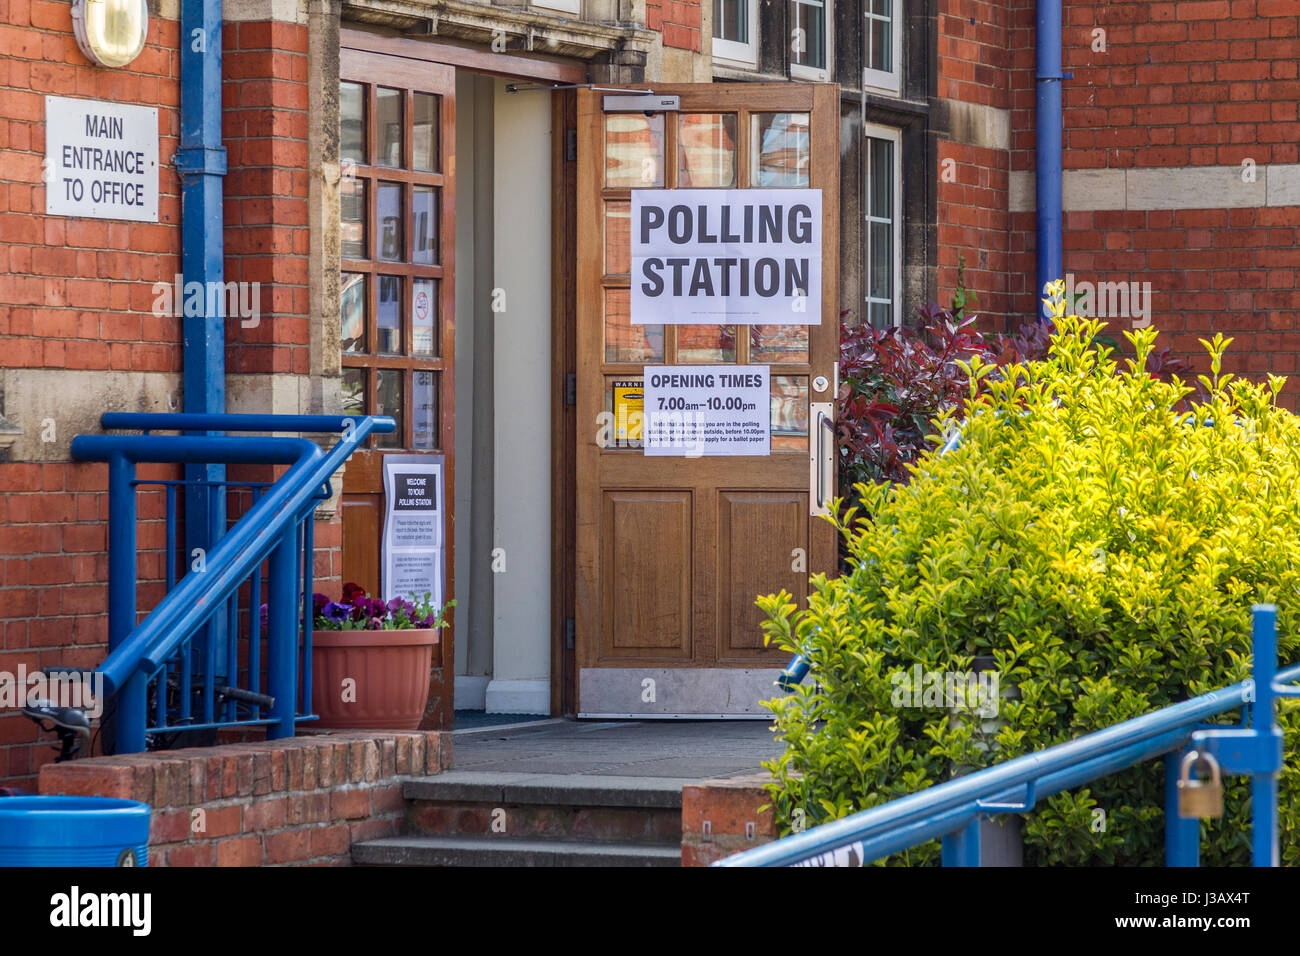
x=375 y=624
x=335 y=612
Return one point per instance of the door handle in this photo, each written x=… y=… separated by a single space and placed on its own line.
x=821 y=458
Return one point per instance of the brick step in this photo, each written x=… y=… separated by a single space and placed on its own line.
x=572 y=808
x=503 y=851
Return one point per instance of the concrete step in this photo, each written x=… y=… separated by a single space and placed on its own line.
x=573 y=808
x=503 y=851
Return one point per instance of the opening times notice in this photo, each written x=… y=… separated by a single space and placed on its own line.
x=700 y=412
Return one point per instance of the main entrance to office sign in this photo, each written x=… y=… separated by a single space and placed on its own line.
x=707 y=334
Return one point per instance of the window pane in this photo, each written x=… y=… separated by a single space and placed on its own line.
x=731 y=20
x=388 y=317
x=388 y=401
x=625 y=342
x=390 y=222
x=779 y=146
x=881 y=263
x=424 y=132
x=424 y=411
x=424 y=215
x=706 y=343
x=354 y=391
x=706 y=149
x=634 y=150
x=880 y=172
x=808 y=41
x=388 y=108
x=882 y=49
x=618 y=238
x=625 y=401
x=789 y=413
x=352 y=305
x=352 y=123
x=352 y=218
x=773 y=344
x=424 y=317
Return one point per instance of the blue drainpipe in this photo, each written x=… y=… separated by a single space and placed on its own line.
x=1047 y=152
x=201 y=164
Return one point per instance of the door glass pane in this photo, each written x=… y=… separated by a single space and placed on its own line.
x=779 y=147
x=388 y=317
x=625 y=342
x=352 y=123
x=352 y=306
x=424 y=215
x=424 y=411
x=634 y=150
x=352 y=218
x=390 y=222
x=774 y=344
x=388 y=110
x=354 y=391
x=618 y=238
x=424 y=317
x=424 y=132
x=706 y=149
x=789 y=413
x=706 y=343
x=625 y=402
x=388 y=401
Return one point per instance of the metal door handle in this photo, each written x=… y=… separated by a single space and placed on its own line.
x=821 y=455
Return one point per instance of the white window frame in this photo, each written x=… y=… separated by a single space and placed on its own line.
x=884 y=81
x=573 y=7
x=744 y=55
x=895 y=136
x=801 y=71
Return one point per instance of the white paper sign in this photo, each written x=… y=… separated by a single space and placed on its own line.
x=413 y=553
x=101 y=160
x=726 y=256
x=702 y=411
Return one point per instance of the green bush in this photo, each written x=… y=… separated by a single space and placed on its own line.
x=1097 y=537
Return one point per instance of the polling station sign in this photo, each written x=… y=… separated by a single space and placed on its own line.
x=101 y=160
x=726 y=256
x=695 y=412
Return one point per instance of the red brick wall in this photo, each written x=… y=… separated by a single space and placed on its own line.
x=678 y=21
x=298 y=802
x=722 y=817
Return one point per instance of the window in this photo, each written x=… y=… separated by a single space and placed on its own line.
x=810 y=39
x=883 y=41
x=882 y=232
x=735 y=32
x=562 y=6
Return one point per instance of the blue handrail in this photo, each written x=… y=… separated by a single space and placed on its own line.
x=951 y=810
x=276 y=525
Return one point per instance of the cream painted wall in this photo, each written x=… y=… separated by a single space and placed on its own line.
x=522 y=402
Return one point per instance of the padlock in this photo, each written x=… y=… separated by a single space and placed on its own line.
x=1197 y=798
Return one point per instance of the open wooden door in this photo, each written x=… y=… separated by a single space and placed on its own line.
x=673 y=551
x=397 y=238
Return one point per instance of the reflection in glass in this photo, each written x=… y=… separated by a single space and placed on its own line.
x=388 y=316
x=706 y=149
x=731 y=20
x=424 y=216
x=774 y=344
x=388 y=115
x=789 y=413
x=352 y=308
x=424 y=317
x=353 y=382
x=352 y=123
x=390 y=222
x=424 y=411
x=388 y=401
x=352 y=218
x=808 y=47
x=424 y=132
x=779 y=147
x=706 y=343
x=625 y=342
x=618 y=238
x=634 y=150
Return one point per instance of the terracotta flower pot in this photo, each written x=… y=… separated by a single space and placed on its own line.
x=389 y=671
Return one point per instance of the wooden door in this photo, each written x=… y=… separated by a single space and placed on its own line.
x=673 y=551
x=397 y=151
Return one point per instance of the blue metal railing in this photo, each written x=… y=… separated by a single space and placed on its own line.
x=951 y=811
x=185 y=653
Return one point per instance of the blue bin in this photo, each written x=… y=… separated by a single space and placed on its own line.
x=73 y=831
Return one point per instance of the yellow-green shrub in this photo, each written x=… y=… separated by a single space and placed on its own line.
x=1103 y=543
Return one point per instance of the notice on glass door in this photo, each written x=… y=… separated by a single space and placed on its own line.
x=412 y=556
x=717 y=410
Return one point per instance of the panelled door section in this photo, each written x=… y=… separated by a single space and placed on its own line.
x=397 y=238
x=673 y=551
